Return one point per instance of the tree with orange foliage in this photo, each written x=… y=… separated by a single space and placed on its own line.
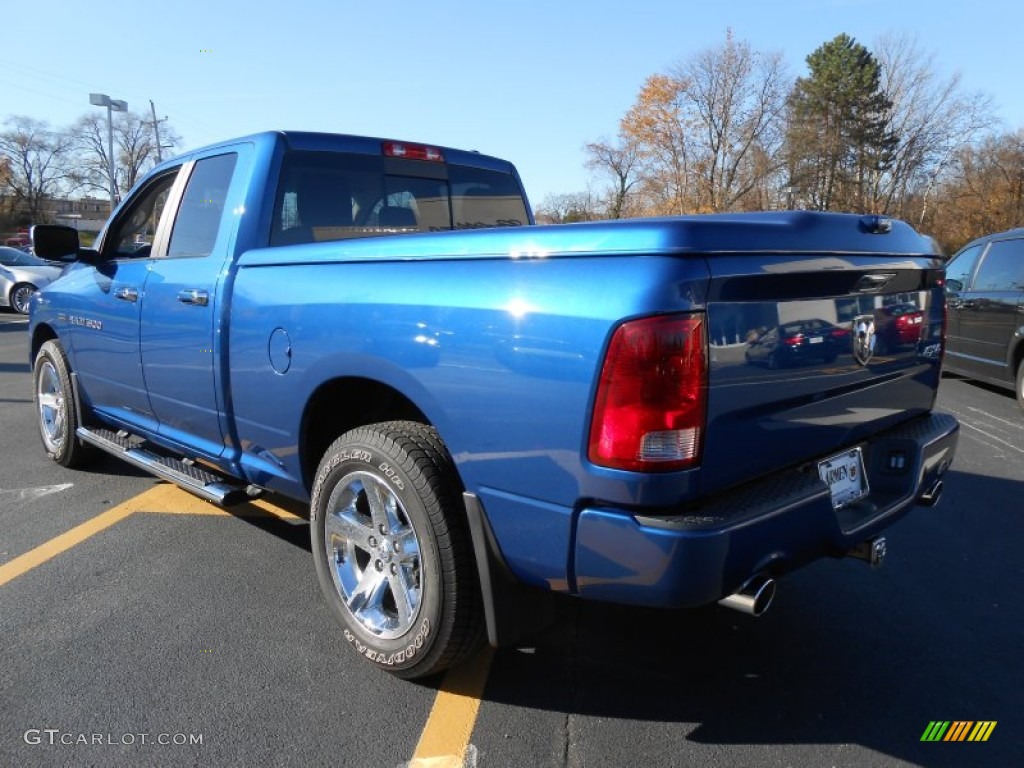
x=708 y=132
x=983 y=192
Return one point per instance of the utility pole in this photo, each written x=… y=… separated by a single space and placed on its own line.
x=156 y=131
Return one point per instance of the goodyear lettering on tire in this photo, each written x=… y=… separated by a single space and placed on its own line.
x=396 y=657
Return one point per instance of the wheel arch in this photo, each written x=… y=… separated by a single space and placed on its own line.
x=345 y=403
x=1016 y=356
x=41 y=334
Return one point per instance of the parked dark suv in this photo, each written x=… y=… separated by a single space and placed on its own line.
x=985 y=300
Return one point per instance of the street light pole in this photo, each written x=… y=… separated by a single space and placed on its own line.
x=112 y=105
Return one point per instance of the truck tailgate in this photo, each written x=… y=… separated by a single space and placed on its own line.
x=810 y=354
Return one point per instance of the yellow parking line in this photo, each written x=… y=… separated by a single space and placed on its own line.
x=446 y=735
x=283 y=514
x=26 y=562
x=162 y=499
x=449 y=727
x=173 y=500
x=179 y=502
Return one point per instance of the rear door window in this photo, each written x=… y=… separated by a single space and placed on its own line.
x=202 y=206
x=1002 y=269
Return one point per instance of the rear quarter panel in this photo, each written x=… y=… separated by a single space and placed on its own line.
x=500 y=354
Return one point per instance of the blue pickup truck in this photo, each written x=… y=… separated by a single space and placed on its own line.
x=482 y=412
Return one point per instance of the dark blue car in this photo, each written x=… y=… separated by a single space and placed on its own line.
x=799 y=342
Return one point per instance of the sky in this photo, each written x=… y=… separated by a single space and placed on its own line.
x=530 y=81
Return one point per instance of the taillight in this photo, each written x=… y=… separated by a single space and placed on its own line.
x=651 y=400
x=412 y=151
x=794 y=341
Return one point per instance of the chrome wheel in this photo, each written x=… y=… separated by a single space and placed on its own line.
x=20 y=296
x=374 y=555
x=392 y=549
x=52 y=403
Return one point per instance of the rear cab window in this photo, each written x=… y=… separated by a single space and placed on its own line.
x=335 y=196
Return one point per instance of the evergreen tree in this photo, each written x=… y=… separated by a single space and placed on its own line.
x=839 y=141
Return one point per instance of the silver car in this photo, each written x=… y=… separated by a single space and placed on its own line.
x=21 y=275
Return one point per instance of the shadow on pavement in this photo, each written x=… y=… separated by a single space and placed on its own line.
x=847 y=656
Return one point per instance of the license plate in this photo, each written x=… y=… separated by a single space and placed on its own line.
x=844 y=476
x=816 y=339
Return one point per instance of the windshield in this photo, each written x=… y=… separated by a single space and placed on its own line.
x=12 y=257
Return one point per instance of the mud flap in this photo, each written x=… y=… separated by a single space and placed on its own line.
x=513 y=611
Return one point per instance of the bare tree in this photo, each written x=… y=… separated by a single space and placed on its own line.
x=135 y=150
x=932 y=118
x=739 y=97
x=36 y=161
x=568 y=208
x=704 y=131
x=620 y=163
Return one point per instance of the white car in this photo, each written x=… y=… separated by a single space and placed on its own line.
x=21 y=275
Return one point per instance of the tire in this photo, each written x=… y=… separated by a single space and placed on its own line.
x=20 y=296
x=1020 y=384
x=57 y=416
x=392 y=549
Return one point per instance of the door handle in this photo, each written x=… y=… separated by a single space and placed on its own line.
x=195 y=297
x=127 y=293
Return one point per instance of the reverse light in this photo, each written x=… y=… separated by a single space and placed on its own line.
x=651 y=403
x=412 y=151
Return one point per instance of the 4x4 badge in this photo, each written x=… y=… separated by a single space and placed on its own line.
x=863 y=338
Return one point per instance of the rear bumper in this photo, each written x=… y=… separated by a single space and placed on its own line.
x=771 y=526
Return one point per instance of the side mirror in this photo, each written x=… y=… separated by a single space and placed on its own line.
x=54 y=242
x=954 y=286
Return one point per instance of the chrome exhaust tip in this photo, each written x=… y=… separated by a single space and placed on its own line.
x=931 y=497
x=753 y=598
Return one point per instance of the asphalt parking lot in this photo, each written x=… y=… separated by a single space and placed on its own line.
x=143 y=627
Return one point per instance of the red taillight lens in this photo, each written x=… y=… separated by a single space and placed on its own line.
x=794 y=341
x=652 y=397
x=412 y=151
